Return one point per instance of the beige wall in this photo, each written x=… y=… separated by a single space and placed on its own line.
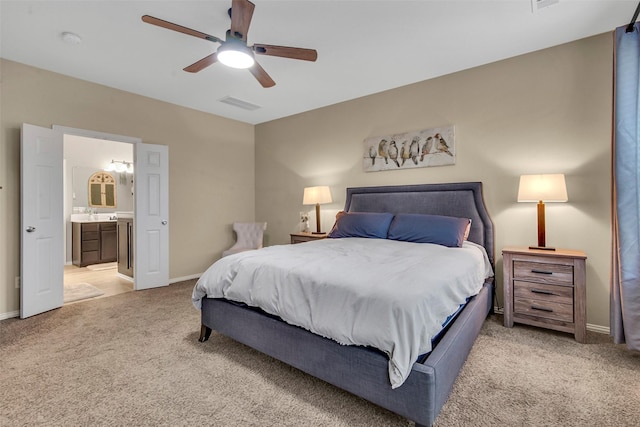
x=545 y=112
x=549 y=111
x=211 y=162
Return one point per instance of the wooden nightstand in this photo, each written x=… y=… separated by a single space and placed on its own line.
x=306 y=237
x=546 y=289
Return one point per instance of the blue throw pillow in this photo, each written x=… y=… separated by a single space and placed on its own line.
x=442 y=230
x=361 y=224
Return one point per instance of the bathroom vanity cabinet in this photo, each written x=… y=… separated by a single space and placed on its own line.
x=94 y=242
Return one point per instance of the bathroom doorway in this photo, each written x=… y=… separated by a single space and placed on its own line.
x=42 y=218
x=91 y=268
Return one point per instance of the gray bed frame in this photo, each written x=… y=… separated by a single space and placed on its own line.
x=364 y=371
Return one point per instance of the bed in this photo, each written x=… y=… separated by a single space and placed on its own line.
x=361 y=369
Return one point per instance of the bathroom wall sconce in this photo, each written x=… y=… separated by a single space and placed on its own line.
x=119 y=166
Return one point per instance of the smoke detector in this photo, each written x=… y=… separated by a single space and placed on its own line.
x=71 y=38
x=536 y=5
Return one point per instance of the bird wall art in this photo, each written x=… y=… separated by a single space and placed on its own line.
x=418 y=149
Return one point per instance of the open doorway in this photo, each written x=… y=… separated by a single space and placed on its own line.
x=41 y=215
x=97 y=225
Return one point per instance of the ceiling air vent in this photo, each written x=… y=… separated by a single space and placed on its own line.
x=239 y=103
x=536 y=5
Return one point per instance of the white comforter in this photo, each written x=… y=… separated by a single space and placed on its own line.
x=386 y=294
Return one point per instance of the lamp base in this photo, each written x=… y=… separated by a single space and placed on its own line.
x=542 y=248
x=317 y=232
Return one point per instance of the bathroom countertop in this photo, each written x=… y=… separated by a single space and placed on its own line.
x=86 y=218
x=88 y=221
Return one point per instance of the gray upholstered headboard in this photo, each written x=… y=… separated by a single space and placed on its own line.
x=463 y=199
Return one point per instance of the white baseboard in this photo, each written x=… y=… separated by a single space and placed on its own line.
x=183 y=278
x=598 y=328
x=9 y=315
x=125 y=277
x=12 y=314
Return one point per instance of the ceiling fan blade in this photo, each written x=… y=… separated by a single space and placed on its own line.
x=261 y=75
x=202 y=64
x=241 y=14
x=286 y=52
x=179 y=28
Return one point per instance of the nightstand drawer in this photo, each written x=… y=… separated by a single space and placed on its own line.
x=543 y=309
x=541 y=292
x=540 y=272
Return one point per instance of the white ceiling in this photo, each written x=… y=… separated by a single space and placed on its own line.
x=363 y=47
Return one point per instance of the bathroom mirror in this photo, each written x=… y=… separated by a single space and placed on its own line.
x=79 y=180
x=79 y=192
x=102 y=190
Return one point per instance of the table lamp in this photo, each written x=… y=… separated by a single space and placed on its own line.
x=542 y=188
x=317 y=196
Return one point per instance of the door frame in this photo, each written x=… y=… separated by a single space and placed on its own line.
x=65 y=130
x=160 y=276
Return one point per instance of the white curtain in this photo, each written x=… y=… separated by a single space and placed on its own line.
x=625 y=280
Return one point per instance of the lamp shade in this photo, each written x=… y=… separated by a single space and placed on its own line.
x=316 y=195
x=546 y=188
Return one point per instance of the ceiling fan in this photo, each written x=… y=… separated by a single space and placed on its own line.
x=233 y=51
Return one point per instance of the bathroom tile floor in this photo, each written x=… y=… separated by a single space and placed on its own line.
x=106 y=280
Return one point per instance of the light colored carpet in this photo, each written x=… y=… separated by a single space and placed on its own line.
x=80 y=291
x=134 y=359
x=100 y=267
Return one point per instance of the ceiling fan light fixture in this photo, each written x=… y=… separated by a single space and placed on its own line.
x=233 y=51
x=235 y=55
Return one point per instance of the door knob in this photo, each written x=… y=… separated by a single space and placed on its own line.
x=31 y=229
x=164 y=222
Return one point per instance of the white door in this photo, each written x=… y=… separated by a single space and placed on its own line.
x=41 y=268
x=151 y=218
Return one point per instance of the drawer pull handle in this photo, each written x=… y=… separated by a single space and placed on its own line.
x=538 y=291
x=541 y=272
x=548 y=310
